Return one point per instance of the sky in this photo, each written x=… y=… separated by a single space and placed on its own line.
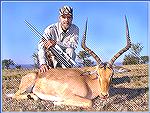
x=105 y=34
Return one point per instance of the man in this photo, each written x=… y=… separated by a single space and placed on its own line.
x=63 y=33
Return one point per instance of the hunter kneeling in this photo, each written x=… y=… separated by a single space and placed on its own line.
x=64 y=34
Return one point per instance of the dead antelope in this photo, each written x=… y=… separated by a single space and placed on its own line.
x=72 y=86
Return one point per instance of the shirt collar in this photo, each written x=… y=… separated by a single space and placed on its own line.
x=60 y=29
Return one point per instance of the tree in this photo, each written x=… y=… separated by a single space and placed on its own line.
x=84 y=56
x=136 y=50
x=18 y=66
x=36 y=59
x=145 y=59
x=6 y=63
x=130 y=59
x=134 y=57
x=88 y=62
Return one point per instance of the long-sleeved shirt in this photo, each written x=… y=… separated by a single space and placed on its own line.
x=68 y=39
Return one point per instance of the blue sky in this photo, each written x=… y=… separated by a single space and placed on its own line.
x=106 y=26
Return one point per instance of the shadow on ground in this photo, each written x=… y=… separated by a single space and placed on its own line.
x=130 y=92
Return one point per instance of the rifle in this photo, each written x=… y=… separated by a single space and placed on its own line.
x=61 y=56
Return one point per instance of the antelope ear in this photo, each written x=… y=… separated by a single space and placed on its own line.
x=120 y=69
x=89 y=73
x=85 y=73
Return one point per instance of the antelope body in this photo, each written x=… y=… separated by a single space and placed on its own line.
x=72 y=86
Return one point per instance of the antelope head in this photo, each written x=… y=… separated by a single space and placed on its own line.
x=105 y=70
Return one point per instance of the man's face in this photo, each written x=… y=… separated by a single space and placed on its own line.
x=65 y=21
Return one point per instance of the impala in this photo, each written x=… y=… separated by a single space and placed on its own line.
x=72 y=86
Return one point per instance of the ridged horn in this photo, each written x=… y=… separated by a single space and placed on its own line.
x=125 y=48
x=98 y=60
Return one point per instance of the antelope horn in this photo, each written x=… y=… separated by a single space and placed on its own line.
x=98 y=60
x=125 y=48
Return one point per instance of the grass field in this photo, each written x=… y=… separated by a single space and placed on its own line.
x=128 y=92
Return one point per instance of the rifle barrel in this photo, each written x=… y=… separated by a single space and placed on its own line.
x=34 y=30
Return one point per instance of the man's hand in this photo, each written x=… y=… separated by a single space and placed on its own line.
x=44 y=68
x=49 y=43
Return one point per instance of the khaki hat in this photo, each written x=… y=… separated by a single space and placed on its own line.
x=66 y=10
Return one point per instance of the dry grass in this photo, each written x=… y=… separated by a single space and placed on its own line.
x=128 y=92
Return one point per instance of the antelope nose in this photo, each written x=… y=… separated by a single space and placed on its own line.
x=104 y=96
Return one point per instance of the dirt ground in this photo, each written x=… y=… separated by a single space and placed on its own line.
x=128 y=92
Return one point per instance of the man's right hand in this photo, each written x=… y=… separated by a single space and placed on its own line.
x=49 y=43
x=44 y=68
